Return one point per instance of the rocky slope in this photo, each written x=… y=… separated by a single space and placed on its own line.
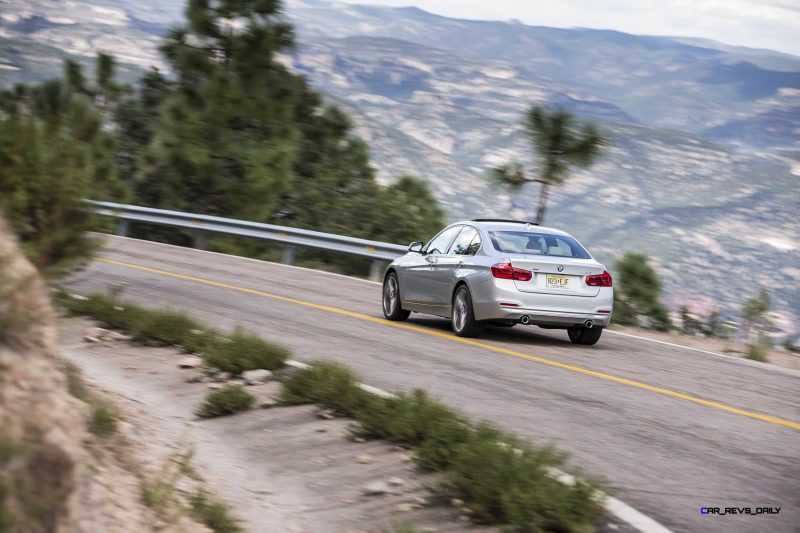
x=54 y=476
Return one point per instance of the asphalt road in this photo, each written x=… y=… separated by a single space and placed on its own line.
x=669 y=430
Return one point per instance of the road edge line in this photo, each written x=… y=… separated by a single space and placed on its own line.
x=621 y=510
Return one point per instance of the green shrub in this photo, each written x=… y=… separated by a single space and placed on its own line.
x=757 y=352
x=103 y=422
x=214 y=514
x=156 y=326
x=243 y=351
x=417 y=420
x=200 y=340
x=330 y=384
x=228 y=400
x=165 y=327
x=122 y=316
x=505 y=481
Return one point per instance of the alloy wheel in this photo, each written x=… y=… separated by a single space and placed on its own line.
x=390 y=295
x=460 y=310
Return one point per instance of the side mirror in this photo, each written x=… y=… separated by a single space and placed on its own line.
x=416 y=246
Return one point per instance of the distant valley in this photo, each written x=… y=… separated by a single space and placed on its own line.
x=703 y=174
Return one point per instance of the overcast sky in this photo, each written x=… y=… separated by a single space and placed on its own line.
x=773 y=24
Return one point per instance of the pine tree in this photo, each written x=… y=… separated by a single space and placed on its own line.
x=637 y=297
x=225 y=141
x=54 y=151
x=560 y=141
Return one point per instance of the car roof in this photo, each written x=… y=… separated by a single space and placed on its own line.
x=510 y=225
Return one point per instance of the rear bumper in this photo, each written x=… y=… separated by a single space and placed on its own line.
x=539 y=317
x=541 y=309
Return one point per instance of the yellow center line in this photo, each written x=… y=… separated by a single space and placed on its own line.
x=360 y=316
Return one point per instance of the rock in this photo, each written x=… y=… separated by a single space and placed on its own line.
x=267 y=394
x=79 y=297
x=190 y=361
x=396 y=481
x=215 y=386
x=359 y=439
x=364 y=459
x=419 y=500
x=223 y=376
x=197 y=378
x=405 y=458
x=254 y=377
x=96 y=334
x=455 y=502
x=376 y=488
x=464 y=518
x=326 y=414
x=116 y=336
x=406 y=507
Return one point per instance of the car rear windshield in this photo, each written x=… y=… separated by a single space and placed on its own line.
x=526 y=242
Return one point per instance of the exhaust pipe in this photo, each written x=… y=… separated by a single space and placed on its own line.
x=588 y=324
x=525 y=319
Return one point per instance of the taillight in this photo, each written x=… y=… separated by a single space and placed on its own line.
x=599 y=280
x=506 y=271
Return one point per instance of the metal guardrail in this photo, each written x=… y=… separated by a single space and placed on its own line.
x=202 y=225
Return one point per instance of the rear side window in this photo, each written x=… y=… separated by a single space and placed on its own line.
x=463 y=243
x=441 y=242
x=531 y=243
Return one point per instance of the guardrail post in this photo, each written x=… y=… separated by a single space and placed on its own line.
x=200 y=240
x=288 y=254
x=375 y=270
x=122 y=227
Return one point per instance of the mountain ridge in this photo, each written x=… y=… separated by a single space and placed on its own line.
x=698 y=173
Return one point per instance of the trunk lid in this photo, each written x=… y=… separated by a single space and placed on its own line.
x=556 y=275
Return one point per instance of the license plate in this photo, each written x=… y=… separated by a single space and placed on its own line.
x=554 y=281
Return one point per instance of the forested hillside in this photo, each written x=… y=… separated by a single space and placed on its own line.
x=229 y=132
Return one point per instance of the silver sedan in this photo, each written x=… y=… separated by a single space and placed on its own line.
x=502 y=273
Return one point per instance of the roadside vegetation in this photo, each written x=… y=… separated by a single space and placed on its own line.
x=637 y=294
x=233 y=353
x=501 y=479
x=243 y=351
x=226 y=401
x=213 y=513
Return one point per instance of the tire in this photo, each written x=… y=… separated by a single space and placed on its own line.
x=463 y=316
x=584 y=336
x=392 y=306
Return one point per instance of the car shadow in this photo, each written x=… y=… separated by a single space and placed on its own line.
x=515 y=335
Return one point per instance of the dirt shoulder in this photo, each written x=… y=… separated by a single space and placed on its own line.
x=776 y=356
x=282 y=468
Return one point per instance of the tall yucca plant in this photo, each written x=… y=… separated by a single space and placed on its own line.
x=560 y=141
